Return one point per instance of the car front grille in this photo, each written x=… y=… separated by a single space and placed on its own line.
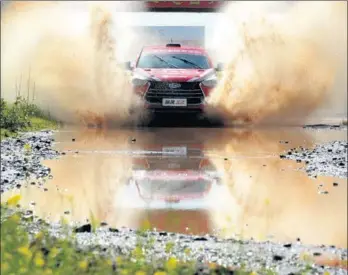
x=189 y=90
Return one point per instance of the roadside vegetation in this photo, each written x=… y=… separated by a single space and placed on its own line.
x=23 y=116
x=22 y=253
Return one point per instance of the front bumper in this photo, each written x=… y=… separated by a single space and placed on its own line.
x=158 y=108
x=154 y=93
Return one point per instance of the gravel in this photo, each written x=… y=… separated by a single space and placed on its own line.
x=21 y=158
x=328 y=159
x=283 y=258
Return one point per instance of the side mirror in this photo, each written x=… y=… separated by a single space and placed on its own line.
x=128 y=66
x=219 y=67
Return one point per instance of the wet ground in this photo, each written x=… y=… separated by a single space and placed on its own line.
x=224 y=181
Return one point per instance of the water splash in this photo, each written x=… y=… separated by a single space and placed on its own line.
x=65 y=57
x=284 y=61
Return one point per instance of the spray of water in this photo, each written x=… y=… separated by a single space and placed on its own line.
x=65 y=56
x=284 y=60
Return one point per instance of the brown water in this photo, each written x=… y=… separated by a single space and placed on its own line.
x=193 y=181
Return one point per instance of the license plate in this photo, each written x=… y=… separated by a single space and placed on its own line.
x=175 y=150
x=177 y=102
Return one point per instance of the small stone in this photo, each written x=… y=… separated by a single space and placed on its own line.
x=133 y=140
x=103 y=224
x=66 y=212
x=45 y=189
x=298 y=239
x=84 y=228
x=288 y=245
x=18 y=186
x=277 y=258
x=163 y=233
x=200 y=239
x=114 y=230
x=73 y=139
x=32 y=183
x=335 y=184
x=316 y=254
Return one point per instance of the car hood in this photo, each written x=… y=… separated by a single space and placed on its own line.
x=177 y=75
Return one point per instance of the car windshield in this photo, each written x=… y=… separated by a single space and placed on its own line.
x=173 y=61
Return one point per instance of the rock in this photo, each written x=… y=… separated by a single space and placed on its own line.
x=84 y=228
x=277 y=258
x=200 y=239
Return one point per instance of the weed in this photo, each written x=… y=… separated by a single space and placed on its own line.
x=22 y=116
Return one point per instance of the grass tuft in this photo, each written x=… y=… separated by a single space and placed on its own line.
x=23 y=116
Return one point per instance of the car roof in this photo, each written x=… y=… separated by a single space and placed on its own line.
x=182 y=49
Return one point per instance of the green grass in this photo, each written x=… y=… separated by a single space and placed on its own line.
x=23 y=116
x=42 y=254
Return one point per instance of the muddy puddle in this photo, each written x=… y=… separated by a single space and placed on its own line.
x=197 y=181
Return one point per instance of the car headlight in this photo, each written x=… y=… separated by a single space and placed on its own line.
x=211 y=81
x=139 y=80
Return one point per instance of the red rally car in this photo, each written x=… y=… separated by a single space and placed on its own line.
x=173 y=78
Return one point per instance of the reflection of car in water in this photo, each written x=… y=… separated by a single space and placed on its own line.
x=173 y=78
x=172 y=176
